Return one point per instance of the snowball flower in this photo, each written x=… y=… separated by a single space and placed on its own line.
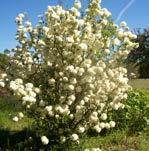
x=21 y=15
x=102 y=125
x=37 y=90
x=104 y=116
x=107 y=51
x=77 y=4
x=123 y=24
x=107 y=125
x=81 y=71
x=51 y=81
x=2 y=84
x=71 y=116
x=81 y=129
x=116 y=41
x=48 y=108
x=65 y=79
x=41 y=42
x=116 y=106
x=70 y=87
x=3 y=75
x=32 y=94
x=83 y=46
x=97 y=128
x=112 y=123
x=44 y=140
x=74 y=137
x=21 y=115
x=45 y=29
x=29 y=85
x=106 y=12
x=72 y=98
x=73 y=81
x=28 y=24
x=15 y=119
x=104 y=22
x=70 y=39
x=75 y=11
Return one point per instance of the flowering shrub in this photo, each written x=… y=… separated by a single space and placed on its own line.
x=68 y=70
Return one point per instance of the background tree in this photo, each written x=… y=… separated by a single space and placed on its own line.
x=4 y=61
x=140 y=55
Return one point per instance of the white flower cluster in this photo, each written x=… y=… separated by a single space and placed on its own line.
x=44 y=140
x=19 y=117
x=2 y=79
x=77 y=62
x=26 y=92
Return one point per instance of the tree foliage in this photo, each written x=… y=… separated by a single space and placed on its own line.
x=140 y=55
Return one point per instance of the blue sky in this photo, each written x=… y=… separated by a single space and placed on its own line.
x=137 y=16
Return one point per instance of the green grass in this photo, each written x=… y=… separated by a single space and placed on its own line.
x=116 y=141
x=9 y=108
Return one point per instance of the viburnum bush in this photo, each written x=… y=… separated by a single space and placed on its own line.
x=68 y=70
